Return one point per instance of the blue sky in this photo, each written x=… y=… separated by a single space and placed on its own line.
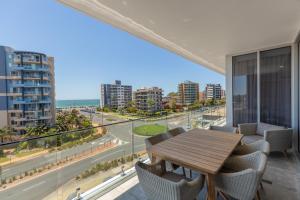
x=88 y=52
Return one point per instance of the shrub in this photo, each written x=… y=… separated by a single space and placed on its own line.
x=123 y=160
x=26 y=173
x=129 y=158
x=2 y=153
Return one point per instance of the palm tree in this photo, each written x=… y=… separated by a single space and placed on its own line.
x=37 y=130
x=4 y=133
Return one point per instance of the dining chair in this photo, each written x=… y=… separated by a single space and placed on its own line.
x=155 y=140
x=242 y=183
x=176 y=131
x=158 y=184
x=228 y=129
x=260 y=145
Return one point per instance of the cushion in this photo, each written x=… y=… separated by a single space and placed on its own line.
x=247 y=139
x=261 y=127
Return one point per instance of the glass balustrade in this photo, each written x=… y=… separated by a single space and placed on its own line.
x=58 y=165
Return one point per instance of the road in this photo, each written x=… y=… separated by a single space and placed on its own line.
x=42 y=186
x=15 y=169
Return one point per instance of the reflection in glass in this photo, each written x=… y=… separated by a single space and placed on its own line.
x=244 y=88
x=275 y=86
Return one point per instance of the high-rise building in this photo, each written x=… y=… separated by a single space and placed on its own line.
x=213 y=91
x=223 y=93
x=188 y=93
x=202 y=96
x=115 y=96
x=27 y=89
x=148 y=99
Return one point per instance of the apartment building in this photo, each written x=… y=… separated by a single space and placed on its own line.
x=223 y=94
x=27 y=89
x=188 y=93
x=213 y=91
x=202 y=96
x=115 y=96
x=148 y=99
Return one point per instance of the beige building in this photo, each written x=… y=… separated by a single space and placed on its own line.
x=148 y=99
x=188 y=93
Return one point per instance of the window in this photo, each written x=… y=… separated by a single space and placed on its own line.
x=275 y=86
x=244 y=89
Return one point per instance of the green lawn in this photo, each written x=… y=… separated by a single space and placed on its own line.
x=110 y=119
x=150 y=129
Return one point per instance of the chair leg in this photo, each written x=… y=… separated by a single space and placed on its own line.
x=261 y=185
x=183 y=170
x=257 y=195
x=285 y=153
x=223 y=195
x=190 y=173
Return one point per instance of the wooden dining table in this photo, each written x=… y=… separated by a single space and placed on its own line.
x=201 y=150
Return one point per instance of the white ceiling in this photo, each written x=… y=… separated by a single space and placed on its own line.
x=204 y=31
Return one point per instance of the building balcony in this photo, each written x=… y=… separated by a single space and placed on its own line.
x=38 y=68
x=17 y=85
x=31 y=101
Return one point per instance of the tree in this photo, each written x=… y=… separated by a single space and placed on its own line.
x=210 y=102
x=172 y=104
x=172 y=94
x=150 y=103
x=194 y=106
x=37 y=130
x=5 y=133
x=106 y=109
x=131 y=108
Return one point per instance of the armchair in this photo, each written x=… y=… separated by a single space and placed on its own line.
x=280 y=138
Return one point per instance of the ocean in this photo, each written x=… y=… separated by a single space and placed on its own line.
x=77 y=103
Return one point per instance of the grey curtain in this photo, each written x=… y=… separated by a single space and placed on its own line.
x=275 y=86
x=244 y=82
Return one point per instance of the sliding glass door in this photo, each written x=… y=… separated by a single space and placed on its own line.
x=275 y=86
x=244 y=82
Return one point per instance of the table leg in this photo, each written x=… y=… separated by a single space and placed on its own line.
x=153 y=159
x=211 y=192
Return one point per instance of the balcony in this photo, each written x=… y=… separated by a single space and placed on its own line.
x=31 y=101
x=29 y=85
x=281 y=176
x=57 y=169
x=38 y=68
